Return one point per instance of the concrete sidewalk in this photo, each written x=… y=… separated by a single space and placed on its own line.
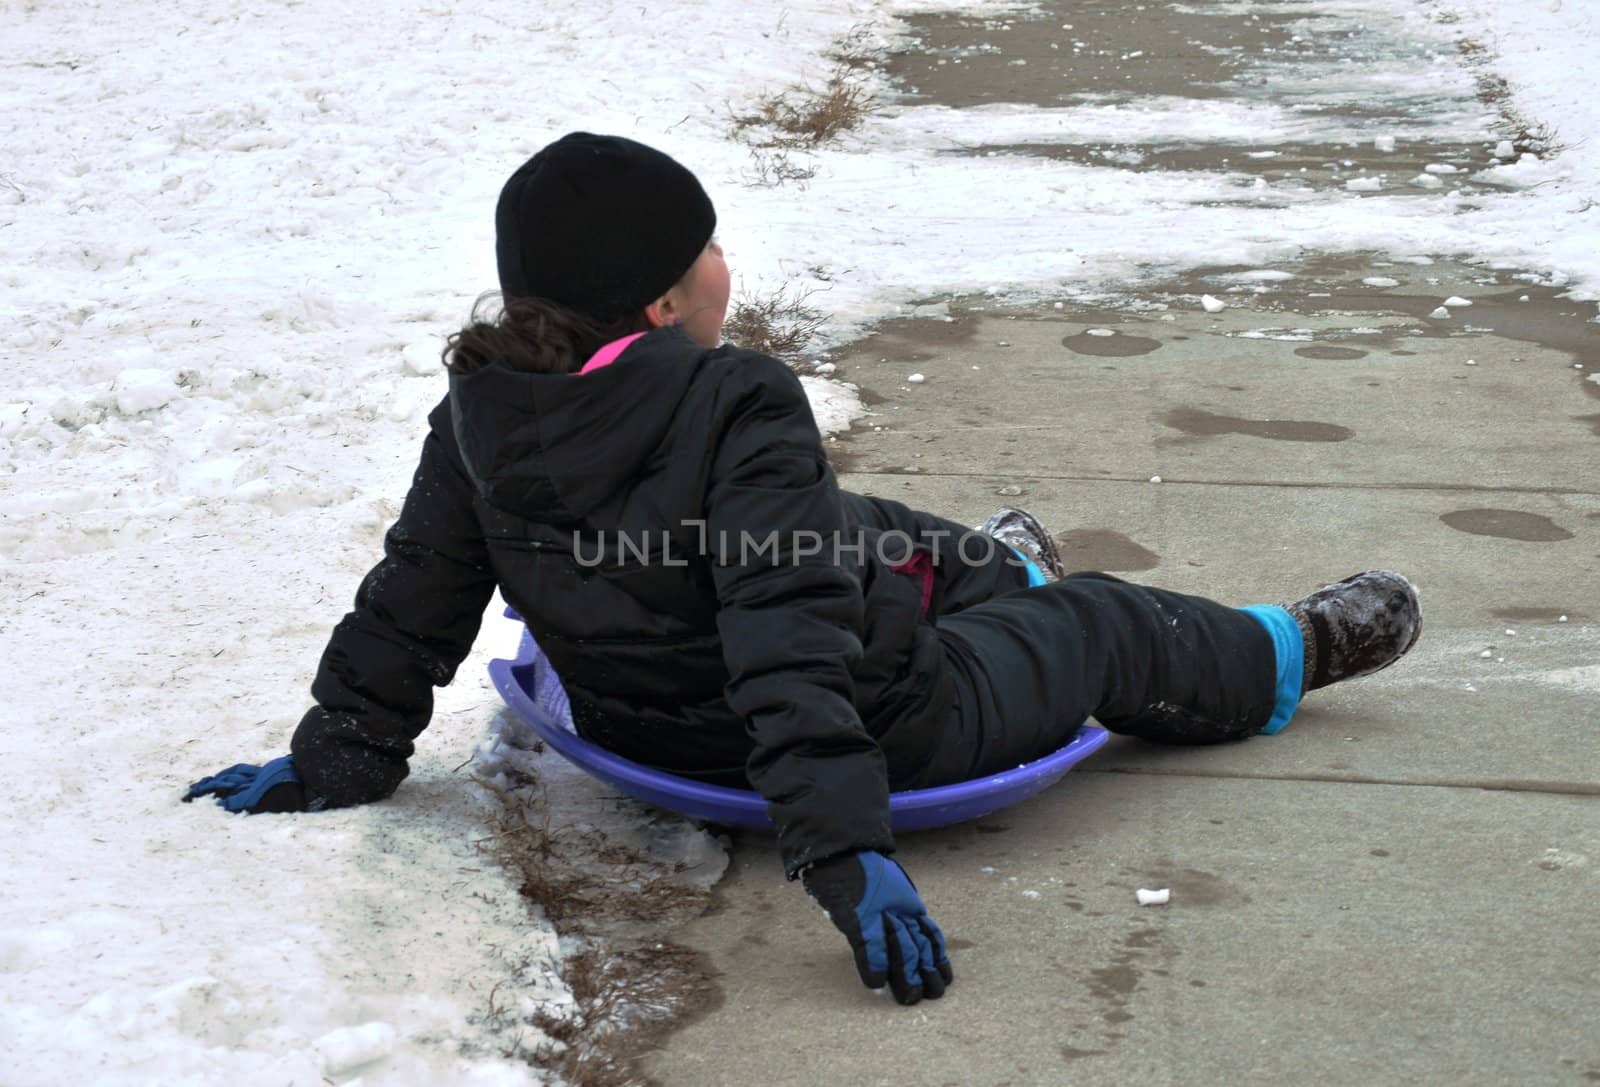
x=1401 y=887
x=1398 y=889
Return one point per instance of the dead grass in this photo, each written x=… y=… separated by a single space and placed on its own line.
x=858 y=51
x=774 y=166
x=626 y=1001
x=1538 y=138
x=783 y=128
x=1493 y=90
x=802 y=116
x=629 y=987
x=780 y=324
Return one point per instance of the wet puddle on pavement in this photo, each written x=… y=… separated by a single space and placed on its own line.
x=1205 y=424
x=1091 y=47
x=1364 y=311
x=1335 y=99
x=1406 y=295
x=1506 y=525
x=1329 y=308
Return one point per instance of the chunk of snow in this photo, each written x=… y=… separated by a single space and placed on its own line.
x=1148 y=897
x=1155 y=479
x=1364 y=184
x=1212 y=304
x=1262 y=154
x=1440 y=314
x=12 y=416
x=916 y=379
x=1381 y=281
x=421 y=357
x=1260 y=275
x=1102 y=332
x=1440 y=168
x=1486 y=654
x=140 y=390
x=1383 y=143
x=1457 y=300
x=351 y=1047
x=826 y=368
x=1505 y=149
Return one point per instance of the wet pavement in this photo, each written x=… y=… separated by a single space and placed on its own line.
x=1316 y=71
x=1397 y=889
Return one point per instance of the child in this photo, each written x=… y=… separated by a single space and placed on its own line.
x=660 y=510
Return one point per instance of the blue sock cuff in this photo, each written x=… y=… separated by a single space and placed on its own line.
x=1290 y=648
x=1035 y=575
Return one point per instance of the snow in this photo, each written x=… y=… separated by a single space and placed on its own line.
x=235 y=237
x=1148 y=897
x=1212 y=304
x=1547 y=51
x=348 y=1048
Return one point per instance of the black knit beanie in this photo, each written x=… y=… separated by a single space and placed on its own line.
x=600 y=224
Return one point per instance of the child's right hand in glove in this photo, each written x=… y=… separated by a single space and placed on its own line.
x=245 y=787
x=872 y=901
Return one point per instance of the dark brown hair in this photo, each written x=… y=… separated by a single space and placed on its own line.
x=533 y=335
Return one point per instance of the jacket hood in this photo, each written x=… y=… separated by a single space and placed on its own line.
x=552 y=447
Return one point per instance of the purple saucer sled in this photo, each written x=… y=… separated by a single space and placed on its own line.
x=916 y=809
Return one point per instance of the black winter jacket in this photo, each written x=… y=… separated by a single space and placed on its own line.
x=609 y=509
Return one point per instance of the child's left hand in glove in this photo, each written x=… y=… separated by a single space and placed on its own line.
x=245 y=787
x=872 y=901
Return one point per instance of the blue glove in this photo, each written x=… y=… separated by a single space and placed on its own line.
x=245 y=787
x=872 y=901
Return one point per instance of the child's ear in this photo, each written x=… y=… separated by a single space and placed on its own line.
x=660 y=312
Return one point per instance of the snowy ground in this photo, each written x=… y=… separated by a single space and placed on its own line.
x=233 y=238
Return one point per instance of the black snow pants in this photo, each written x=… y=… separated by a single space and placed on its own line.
x=1030 y=664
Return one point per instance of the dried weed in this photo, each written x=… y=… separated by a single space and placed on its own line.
x=804 y=116
x=780 y=324
x=629 y=988
x=1493 y=90
x=774 y=166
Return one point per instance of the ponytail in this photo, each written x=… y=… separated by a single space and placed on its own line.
x=532 y=335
